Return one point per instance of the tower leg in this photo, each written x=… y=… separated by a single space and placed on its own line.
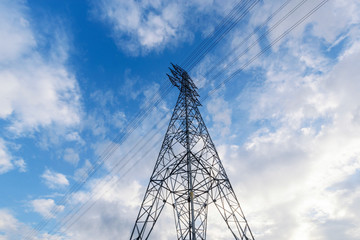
x=151 y=207
x=226 y=202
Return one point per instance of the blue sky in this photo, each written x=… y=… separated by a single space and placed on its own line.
x=74 y=75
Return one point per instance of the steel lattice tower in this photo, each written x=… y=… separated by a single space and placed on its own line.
x=189 y=175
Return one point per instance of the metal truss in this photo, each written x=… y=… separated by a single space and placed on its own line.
x=189 y=175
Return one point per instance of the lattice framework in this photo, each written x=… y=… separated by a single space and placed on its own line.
x=188 y=174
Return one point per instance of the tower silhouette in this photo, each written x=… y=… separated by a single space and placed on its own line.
x=189 y=175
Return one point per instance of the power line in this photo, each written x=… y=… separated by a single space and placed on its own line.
x=306 y=16
x=256 y=41
x=201 y=55
x=270 y=45
x=77 y=215
x=232 y=51
x=102 y=159
x=217 y=31
x=256 y=56
x=112 y=147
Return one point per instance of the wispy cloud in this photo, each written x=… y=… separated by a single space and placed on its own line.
x=296 y=172
x=45 y=207
x=145 y=26
x=221 y=115
x=306 y=142
x=10 y=226
x=9 y=162
x=17 y=38
x=36 y=88
x=7 y=221
x=54 y=180
x=5 y=159
x=71 y=156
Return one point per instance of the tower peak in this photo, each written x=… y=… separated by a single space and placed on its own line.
x=181 y=79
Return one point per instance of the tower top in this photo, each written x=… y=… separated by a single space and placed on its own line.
x=181 y=79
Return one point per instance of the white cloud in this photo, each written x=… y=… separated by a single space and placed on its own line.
x=20 y=163
x=148 y=24
x=143 y=26
x=82 y=173
x=115 y=210
x=54 y=180
x=118 y=196
x=102 y=118
x=10 y=227
x=36 y=89
x=293 y=175
x=71 y=156
x=221 y=114
x=7 y=221
x=7 y=161
x=46 y=207
x=298 y=169
x=75 y=136
x=16 y=36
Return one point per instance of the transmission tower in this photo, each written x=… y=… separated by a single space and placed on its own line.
x=188 y=175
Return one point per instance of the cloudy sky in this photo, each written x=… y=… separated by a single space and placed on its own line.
x=85 y=102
